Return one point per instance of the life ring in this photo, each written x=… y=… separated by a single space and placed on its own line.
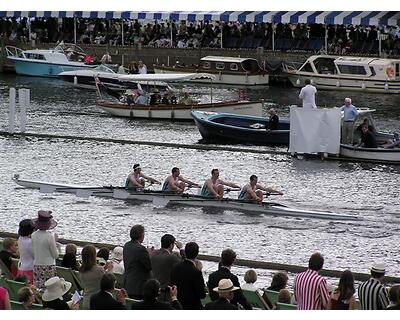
x=390 y=71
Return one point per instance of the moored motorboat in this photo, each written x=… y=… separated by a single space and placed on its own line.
x=228 y=70
x=46 y=62
x=347 y=73
x=228 y=127
x=160 y=198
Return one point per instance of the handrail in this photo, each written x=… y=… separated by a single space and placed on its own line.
x=14 y=52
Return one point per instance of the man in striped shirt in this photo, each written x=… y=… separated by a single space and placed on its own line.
x=310 y=289
x=372 y=294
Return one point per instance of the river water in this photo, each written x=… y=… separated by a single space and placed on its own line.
x=369 y=190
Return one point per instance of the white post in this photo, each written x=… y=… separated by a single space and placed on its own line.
x=11 y=112
x=221 y=39
x=326 y=39
x=171 y=34
x=23 y=97
x=29 y=30
x=74 y=30
x=273 y=37
x=380 y=42
x=122 y=42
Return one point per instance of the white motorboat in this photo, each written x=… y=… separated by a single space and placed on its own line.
x=177 y=111
x=227 y=70
x=106 y=74
x=347 y=73
x=162 y=199
x=46 y=63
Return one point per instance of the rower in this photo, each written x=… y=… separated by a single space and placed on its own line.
x=176 y=183
x=214 y=187
x=253 y=190
x=137 y=179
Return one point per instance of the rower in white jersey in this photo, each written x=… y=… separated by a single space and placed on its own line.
x=214 y=187
x=137 y=179
x=254 y=191
x=176 y=183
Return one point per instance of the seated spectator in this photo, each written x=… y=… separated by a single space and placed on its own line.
x=394 y=297
x=365 y=122
x=151 y=290
x=225 y=292
x=10 y=248
x=279 y=281
x=26 y=249
x=284 y=296
x=103 y=300
x=343 y=297
x=26 y=297
x=55 y=289
x=140 y=98
x=69 y=259
x=4 y=299
x=185 y=98
x=106 y=58
x=250 y=277
x=103 y=255
x=155 y=97
x=395 y=142
x=166 y=98
x=117 y=260
x=367 y=139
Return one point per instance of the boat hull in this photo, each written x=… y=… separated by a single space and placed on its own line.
x=239 y=79
x=159 y=198
x=373 y=154
x=177 y=111
x=229 y=127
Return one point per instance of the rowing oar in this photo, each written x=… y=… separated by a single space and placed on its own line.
x=272 y=194
x=227 y=190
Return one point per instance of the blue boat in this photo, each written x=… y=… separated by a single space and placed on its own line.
x=229 y=127
x=47 y=62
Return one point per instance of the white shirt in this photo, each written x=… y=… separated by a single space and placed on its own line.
x=307 y=94
x=143 y=69
x=44 y=248
x=251 y=287
x=25 y=253
x=118 y=267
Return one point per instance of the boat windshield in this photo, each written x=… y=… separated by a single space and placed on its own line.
x=104 y=68
x=325 y=65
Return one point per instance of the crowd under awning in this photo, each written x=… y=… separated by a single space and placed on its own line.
x=367 y=18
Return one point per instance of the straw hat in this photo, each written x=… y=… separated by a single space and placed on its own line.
x=44 y=221
x=55 y=289
x=378 y=267
x=225 y=285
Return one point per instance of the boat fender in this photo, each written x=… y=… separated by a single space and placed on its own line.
x=390 y=71
x=220 y=76
x=297 y=82
x=75 y=80
x=338 y=83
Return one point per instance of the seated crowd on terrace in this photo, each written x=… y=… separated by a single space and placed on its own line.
x=342 y=39
x=34 y=276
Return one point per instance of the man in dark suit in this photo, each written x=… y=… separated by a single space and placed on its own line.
x=151 y=291
x=189 y=280
x=225 y=291
x=137 y=263
x=104 y=300
x=228 y=257
x=162 y=262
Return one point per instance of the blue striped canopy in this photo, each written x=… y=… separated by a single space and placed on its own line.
x=391 y=18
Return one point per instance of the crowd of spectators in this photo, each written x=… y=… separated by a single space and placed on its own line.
x=342 y=39
x=169 y=279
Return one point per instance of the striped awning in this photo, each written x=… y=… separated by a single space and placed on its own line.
x=391 y=18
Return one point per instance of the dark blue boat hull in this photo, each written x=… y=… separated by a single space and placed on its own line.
x=225 y=127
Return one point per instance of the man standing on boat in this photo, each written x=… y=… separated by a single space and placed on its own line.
x=254 y=191
x=349 y=115
x=176 y=183
x=214 y=187
x=307 y=94
x=137 y=179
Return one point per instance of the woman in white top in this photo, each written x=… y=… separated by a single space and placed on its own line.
x=45 y=249
x=250 y=277
x=25 y=230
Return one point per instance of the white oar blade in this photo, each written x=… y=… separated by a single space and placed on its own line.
x=82 y=193
x=120 y=194
x=47 y=189
x=160 y=202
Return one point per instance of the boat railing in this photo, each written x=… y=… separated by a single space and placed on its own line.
x=14 y=52
x=290 y=66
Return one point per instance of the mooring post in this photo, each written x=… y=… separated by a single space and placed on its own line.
x=23 y=97
x=11 y=111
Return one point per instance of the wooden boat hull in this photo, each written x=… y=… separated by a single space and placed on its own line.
x=178 y=111
x=230 y=127
x=226 y=78
x=376 y=154
x=159 y=198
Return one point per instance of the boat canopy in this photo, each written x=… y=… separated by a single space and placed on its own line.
x=225 y=59
x=167 y=77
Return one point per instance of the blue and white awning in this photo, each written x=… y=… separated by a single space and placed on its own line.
x=325 y=17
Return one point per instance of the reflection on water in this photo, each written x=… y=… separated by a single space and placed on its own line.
x=369 y=190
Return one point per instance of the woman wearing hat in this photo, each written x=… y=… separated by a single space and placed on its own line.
x=25 y=230
x=55 y=289
x=45 y=249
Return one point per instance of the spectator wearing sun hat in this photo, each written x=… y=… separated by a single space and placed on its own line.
x=117 y=260
x=225 y=292
x=26 y=228
x=372 y=293
x=45 y=249
x=55 y=289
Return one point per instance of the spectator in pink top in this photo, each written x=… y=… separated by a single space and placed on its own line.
x=310 y=289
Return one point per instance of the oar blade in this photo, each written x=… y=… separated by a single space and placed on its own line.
x=160 y=202
x=47 y=189
x=120 y=194
x=83 y=193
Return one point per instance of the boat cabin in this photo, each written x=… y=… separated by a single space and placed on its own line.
x=352 y=66
x=229 y=64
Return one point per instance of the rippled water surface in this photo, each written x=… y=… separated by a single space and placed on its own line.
x=368 y=190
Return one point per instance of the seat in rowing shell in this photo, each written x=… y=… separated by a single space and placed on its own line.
x=256 y=301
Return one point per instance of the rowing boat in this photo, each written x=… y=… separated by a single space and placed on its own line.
x=162 y=199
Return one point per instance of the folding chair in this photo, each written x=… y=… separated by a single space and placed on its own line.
x=255 y=299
